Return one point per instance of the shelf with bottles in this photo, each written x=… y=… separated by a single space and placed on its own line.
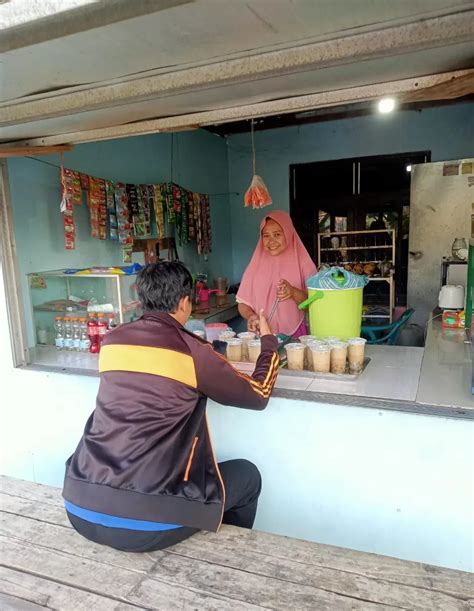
x=54 y=293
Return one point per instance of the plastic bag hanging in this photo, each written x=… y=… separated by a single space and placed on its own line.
x=257 y=194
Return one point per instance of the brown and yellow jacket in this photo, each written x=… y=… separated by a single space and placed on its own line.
x=146 y=452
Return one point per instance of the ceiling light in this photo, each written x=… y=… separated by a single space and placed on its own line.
x=408 y=168
x=386 y=105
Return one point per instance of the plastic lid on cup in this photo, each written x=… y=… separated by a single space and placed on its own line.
x=228 y=333
x=306 y=339
x=254 y=343
x=295 y=346
x=331 y=339
x=234 y=341
x=356 y=341
x=246 y=335
x=319 y=347
x=338 y=345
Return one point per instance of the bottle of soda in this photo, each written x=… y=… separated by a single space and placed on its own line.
x=92 y=333
x=76 y=334
x=59 y=333
x=101 y=328
x=67 y=333
x=111 y=321
x=84 y=343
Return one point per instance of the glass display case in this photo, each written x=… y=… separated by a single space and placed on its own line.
x=61 y=293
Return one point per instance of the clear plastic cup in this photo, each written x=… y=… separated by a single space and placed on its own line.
x=356 y=354
x=254 y=348
x=295 y=354
x=246 y=337
x=332 y=339
x=234 y=349
x=306 y=340
x=320 y=356
x=338 y=357
x=225 y=335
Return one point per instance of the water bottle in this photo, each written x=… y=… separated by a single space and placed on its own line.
x=59 y=333
x=67 y=333
x=85 y=342
x=76 y=334
x=111 y=321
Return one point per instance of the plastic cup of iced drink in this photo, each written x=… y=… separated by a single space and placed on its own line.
x=254 y=348
x=356 y=354
x=295 y=354
x=246 y=337
x=320 y=357
x=234 y=349
x=338 y=357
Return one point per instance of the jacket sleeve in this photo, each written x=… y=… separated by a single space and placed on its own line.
x=222 y=383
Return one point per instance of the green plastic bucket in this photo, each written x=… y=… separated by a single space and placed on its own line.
x=334 y=312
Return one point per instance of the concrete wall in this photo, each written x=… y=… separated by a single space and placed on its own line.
x=199 y=164
x=447 y=132
x=440 y=212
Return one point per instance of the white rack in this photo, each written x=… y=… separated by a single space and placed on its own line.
x=354 y=235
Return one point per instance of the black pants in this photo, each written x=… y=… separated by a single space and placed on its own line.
x=242 y=483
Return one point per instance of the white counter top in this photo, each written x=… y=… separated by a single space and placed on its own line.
x=446 y=371
x=434 y=380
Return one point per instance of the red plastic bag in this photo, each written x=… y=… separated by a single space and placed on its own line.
x=257 y=194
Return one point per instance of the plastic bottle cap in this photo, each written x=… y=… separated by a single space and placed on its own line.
x=67 y=318
x=91 y=314
x=57 y=318
x=100 y=315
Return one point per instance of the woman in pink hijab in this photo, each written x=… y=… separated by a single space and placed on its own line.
x=279 y=268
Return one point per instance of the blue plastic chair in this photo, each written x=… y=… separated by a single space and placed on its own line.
x=386 y=334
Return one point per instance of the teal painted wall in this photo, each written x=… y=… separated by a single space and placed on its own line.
x=199 y=163
x=447 y=132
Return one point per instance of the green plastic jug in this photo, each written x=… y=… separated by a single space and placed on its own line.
x=334 y=312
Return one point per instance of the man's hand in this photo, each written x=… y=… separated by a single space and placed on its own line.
x=253 y=323
x=285 y=290
x=263 y=324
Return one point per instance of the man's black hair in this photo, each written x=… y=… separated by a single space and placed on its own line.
x=161 y=286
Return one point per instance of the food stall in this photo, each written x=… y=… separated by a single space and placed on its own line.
x=350 y=458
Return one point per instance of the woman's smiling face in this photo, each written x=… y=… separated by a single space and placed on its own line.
x=273 y=237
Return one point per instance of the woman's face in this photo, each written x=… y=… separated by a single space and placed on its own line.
x=273 y=237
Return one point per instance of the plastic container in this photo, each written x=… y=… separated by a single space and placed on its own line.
x=338 y=357
x=59 y=333
x=213 y=330
x=295 y=354
x=320 y=357
x=92 y=333
x=234 y=349
x=200 y=333
x=356 y=354
x=254 y=348
x=246 y=337
x=102 y=328
x=67 y=333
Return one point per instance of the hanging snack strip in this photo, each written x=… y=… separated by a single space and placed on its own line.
x=123 y=223
x=158 y=199
x=142 y=223
x=71 y=194
x=97 y=202
x=111 y=210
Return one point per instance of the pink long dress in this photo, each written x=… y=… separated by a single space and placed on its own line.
x=258 y=288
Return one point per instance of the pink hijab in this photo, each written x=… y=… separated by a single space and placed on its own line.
x=258 y=288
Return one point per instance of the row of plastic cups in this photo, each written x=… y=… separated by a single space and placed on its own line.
x=245 y=347
x=328 y=355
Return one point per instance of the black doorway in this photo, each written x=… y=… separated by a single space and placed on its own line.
x=356 y=194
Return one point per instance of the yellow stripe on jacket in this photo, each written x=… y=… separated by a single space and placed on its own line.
x=146 y=359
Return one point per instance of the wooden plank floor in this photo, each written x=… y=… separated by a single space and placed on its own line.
x=45 y=564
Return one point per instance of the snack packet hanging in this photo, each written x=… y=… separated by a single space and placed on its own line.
x=257 y=194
